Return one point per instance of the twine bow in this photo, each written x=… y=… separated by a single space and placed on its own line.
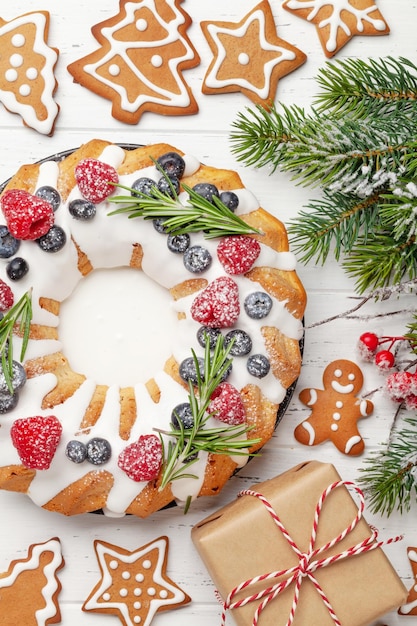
x=308 y=562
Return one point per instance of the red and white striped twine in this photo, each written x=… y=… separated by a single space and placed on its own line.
x=307 y=561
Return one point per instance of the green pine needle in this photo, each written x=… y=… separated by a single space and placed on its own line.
x=20 y=314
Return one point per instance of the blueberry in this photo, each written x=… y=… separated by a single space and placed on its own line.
x=76 y=451
x=82 y=209
x=8 y=401
x=98 y=451
x=169 y=186
x=143 y=185
x=178 y=243
x=230 y=199
x=158 y=224
x=53 y=240
x=206 y=190
x=227 y=372
x=17 y=268
x=205 y=332
x=242 y=343
x=258 y=365
x=9 y=245
x=258 y=304
x=50 y=194
x=197 y=259
x=172 y=163
x=188 y=370
x=18 y=377
x=182 y=413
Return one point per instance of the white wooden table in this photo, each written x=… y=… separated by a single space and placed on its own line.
x=84 y=116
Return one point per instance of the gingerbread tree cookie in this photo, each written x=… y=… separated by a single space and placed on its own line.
x=335 y=409
x=248 y=56
x=29 y=589
x=337 y=21
x=410 y=607
x=27 y=81
x=134 y=585
x=138 y=66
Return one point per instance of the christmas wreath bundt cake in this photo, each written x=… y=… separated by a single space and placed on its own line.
x=76 y=445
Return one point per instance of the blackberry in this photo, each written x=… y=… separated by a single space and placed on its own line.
x=178 y=243
x=143 y=185
x=8 y=401
x=188 y=370
x=9 y=245
x=76 y=451
x=81 y=209
x=230 y=199
x=98 y=451
x=17 y=268
x=197 y=259
x=54 y=240
x=258 y=365
x=169 y=186
x=242 y=343
x=50 y=194
x=172 y=163
x=182 y=413
x=258 y=304
x=204 y=333
x=206 y=190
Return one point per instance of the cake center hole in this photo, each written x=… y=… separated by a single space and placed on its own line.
x=117 y=327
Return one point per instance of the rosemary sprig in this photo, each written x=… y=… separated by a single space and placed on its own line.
x=20 y=313
x=184 y=444
x=214 y=219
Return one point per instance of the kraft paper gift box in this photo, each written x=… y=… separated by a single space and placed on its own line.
x=241 y=541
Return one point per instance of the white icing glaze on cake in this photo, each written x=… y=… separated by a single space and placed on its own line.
x=108 y=242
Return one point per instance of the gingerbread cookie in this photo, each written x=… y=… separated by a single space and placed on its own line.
x=138 y=66
x=27 y=81
x=134 y=585
x=338 y=21
x=248 y=56
x=29 y=589
x=335 y=409
x=410 y=607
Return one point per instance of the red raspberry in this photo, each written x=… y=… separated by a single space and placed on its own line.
x=384 y=360
x=6 y=296
x=142 y=459
x=237 y=253
x=93 y=178
x=226 y=403
x=36 y=440
x=217 y=306
x=27 y=216
x=411 y=402
x=399 y=385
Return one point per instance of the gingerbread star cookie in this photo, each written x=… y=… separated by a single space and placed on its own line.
x=338 y=21
x=335 y=409
x=27 y=80
x=248 y=56
x=29 y=589
x=138 y=66
x=134 y=585
x=410 y=607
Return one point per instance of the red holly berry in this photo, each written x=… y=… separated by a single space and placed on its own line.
x=237 y=253
x=27 y=216
x=94 y=179
x=226 y=404
x=217 y=306
x=399 y=385
x=6 y=296
x=36 y=440
x=384 y=359
x=142 y=459
x=369 y=341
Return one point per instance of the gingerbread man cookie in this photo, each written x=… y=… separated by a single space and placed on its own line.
x=410 y=607
x=335 y=409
